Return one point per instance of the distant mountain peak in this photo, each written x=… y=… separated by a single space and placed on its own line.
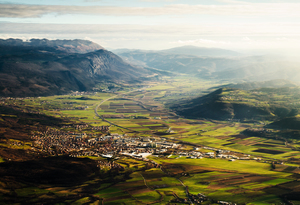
x=69 y=46
x=201 y=51
x=46 y=67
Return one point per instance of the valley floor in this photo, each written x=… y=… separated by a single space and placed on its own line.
x=139 y=151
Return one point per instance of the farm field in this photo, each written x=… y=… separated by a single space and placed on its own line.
x=142 y=111
x=268 y=175
x=214 y=178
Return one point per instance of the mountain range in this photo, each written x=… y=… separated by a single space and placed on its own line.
x=69 y=46
x=231 y=103
x=228 y=65
x=48 y=67
x=277 y=83
x=201 y=51
x=189 y=50
x=44 y=67
x=185 y=60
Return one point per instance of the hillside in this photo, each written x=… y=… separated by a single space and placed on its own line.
x=187 y=50
x=261 y=68
x=219 y=67
x=278 y=83
x=104 y=64
x=35 y=71
x=292 y=123
x=179 y=63
x=228 y=103
x=17 y=125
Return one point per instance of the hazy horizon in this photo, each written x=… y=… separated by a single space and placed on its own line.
x=266 y=25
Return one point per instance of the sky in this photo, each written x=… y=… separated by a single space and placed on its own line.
x=158 y=24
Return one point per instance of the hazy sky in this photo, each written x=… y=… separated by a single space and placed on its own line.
x=157 y=24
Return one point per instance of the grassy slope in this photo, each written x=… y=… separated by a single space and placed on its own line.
x=227 y=103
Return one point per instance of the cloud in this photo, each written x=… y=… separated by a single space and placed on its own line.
x=234 y=2
x=246 y=39
x=92 y=0
x=158 y=0
x=231 y=36
x=35 y=11
x=209 y=29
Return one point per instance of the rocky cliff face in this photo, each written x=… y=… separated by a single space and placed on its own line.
x=104 y=64
x=34 y=71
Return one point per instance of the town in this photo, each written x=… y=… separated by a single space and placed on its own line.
x=57 y=142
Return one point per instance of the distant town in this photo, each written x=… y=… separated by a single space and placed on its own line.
x=57 y=142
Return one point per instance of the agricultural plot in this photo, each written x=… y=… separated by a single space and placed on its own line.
x=235 y=182
x=248 y=181
x=240 y=166
x=79 y=108
x=150 y=186
x=227 y=136
x=131 y=114
x=147 y=104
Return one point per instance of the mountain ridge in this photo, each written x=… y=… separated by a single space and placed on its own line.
x=225 y=68
x=41 y=71
x=277 y=83
x=69 y=46
x=201 y=51
x=231 y=103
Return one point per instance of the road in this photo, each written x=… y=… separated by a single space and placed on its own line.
x=111 y=123
x=139 y=103
x=186 y=188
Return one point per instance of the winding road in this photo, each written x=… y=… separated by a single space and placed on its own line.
x=111 y=123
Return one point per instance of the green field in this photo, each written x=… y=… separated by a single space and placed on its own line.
x=146 y=113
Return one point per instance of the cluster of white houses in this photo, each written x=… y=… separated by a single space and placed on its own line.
x=57 y=142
